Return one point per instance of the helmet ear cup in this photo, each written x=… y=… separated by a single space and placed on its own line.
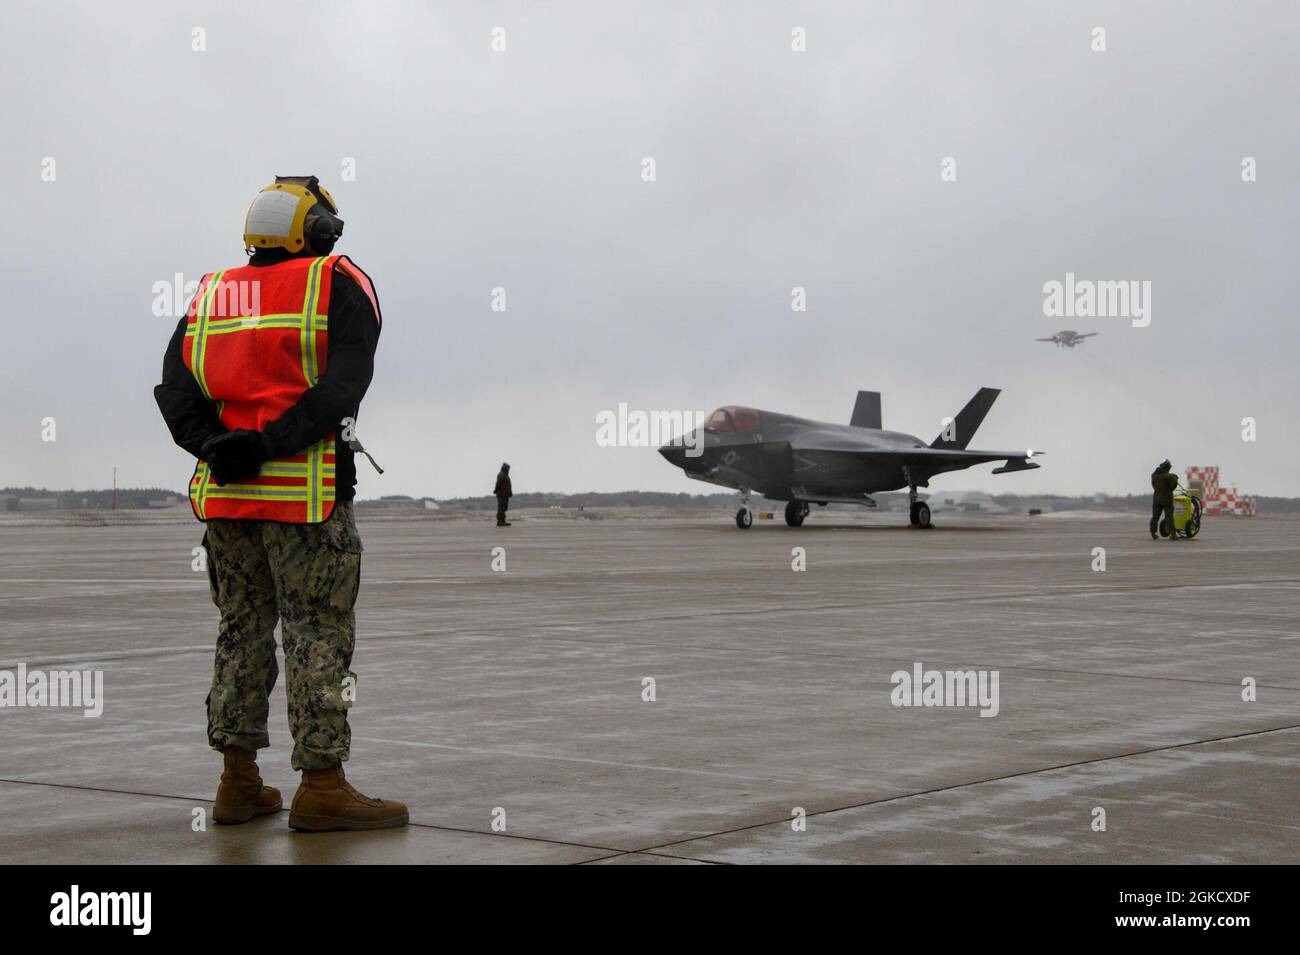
x=323 y=195
x=321 y=229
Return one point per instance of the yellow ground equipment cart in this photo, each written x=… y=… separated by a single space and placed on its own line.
x=1187 y=514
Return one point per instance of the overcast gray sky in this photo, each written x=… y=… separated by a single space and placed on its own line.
x=522 y=169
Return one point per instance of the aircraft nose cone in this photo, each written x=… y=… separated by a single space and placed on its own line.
x=674 y=454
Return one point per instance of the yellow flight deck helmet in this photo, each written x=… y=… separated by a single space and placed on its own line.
x=293 y=213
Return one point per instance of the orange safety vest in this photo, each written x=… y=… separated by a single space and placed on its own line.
x=256 y=339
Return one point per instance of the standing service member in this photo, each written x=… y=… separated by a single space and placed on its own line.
x=1163 y=483
x=503 y=493
x=261 y=383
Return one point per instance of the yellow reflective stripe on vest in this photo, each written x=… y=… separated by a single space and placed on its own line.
x=199 y=495
x=307 y=333
x=197 y=356
x=251 y=492
x=280 y=469
x=200 y=331
x=224 y=326
x=310 y=370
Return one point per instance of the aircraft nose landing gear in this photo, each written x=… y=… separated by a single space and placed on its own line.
x=744 y=516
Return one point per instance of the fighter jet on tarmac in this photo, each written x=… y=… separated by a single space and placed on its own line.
x=1068 y=338
x=807 y=462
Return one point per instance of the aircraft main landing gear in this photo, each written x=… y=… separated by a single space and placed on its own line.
x=795 y=512
x=918 y=511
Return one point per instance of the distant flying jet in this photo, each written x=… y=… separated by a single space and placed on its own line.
x=1067 y=338
x=806 y=462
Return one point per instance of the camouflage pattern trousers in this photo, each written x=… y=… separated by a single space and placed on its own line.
x=306 y=576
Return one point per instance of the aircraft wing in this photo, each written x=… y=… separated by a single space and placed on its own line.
x=1088 y=335
x=965 y=459
x=935 y=460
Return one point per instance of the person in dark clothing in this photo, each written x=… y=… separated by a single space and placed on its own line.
x=503 y=493
x=1163 y=483
x=349 y=366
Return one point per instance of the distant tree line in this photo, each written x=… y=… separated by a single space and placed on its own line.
x=127 y=497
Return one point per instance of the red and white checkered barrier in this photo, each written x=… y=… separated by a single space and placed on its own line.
x=1217 y=500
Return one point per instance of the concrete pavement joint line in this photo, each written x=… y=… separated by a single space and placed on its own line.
x=511 y=835
x=638 y=573
x=479 y=750
x=1128 y=548
x=909 y=602
x=578 y=759
x=1073 y=591
x=698 y=647
x=653 y=850
x=1235 y=819
x=902 y=601
x=1134 y=676
x=413 y=825
x=657 y=855
x=694 y=646
x=67 y=565
x=114 y=655
x=99 y=789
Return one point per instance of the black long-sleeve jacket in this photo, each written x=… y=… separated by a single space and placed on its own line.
x=349 y=366
x=1164 y=483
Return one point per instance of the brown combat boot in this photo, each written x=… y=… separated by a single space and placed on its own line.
x=326 y=800
x=241 y=795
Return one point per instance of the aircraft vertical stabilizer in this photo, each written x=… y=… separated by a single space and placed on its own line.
x=866 y=413
x=967 y=421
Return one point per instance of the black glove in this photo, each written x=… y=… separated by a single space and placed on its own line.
x=236 y=455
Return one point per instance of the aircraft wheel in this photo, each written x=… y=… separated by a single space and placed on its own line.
x=795 y=512
x=923 y=515
x=744 y=518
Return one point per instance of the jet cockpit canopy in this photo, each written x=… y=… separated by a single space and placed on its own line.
x=732 y=418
